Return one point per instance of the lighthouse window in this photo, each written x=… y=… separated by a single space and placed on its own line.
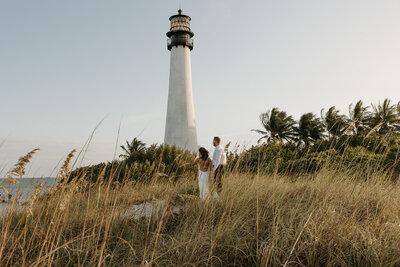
x=180 y=24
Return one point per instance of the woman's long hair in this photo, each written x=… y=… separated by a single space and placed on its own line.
x=203 y=153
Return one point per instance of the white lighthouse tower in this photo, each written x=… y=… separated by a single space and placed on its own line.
x=180 y=128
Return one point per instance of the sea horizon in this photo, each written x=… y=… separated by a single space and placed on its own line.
x=27 y=185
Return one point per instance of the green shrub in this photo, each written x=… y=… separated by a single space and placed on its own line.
x=155 y=162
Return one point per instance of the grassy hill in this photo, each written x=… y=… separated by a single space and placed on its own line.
x=327 y=217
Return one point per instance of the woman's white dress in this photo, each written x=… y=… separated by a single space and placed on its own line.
x=204 y=184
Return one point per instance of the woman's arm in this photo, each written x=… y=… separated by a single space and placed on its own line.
x=195 y=161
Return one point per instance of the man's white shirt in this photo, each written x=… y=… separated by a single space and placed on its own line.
x=219 y=157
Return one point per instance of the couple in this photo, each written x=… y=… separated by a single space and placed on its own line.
x=205 y=164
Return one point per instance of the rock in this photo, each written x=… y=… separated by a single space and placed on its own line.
x=149 y=209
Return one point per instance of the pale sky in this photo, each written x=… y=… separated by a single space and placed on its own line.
x=66 y=65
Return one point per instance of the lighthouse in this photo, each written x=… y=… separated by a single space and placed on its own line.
x=180 y=129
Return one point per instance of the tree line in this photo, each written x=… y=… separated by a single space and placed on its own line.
x=382 y=119
x=367 y=139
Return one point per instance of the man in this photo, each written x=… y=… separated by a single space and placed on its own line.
x=219 y=162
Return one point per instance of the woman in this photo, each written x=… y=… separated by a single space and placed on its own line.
x=205 y=165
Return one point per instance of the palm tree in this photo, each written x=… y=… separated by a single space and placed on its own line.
x=359 y=117
x=335 y=124
x=310 y=129
x=135 y=146
x=398 y=108
x=278 y=126
x=385 y=118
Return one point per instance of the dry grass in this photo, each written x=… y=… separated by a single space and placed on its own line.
x=18 y=170
x=329 y=218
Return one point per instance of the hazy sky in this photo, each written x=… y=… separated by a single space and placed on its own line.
x=66 y=65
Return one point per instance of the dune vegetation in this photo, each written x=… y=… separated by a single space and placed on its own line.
x=328 y=199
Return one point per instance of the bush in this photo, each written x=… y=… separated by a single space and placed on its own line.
x=349 y=153
x=339 y=155
x=155 y=162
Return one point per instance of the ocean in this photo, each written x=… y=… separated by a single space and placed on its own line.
x=26 y=186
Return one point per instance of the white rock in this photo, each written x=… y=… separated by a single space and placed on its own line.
x=148 y=209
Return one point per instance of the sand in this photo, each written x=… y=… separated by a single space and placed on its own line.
x=5 y=208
